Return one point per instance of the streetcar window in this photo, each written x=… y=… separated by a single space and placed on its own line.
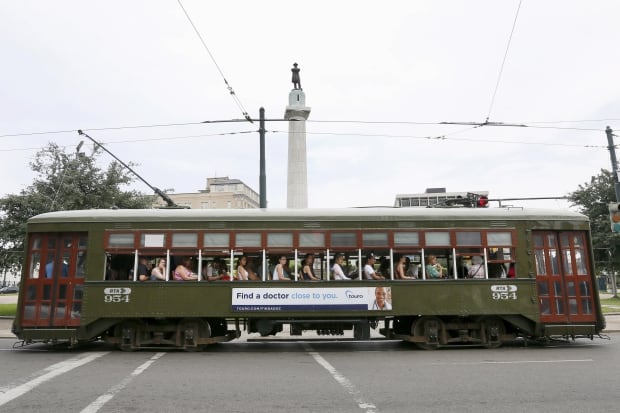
x=217 y=239
x=248 y=239
x=468 y=238
x=543 y=288
x=119 y=266
x=406 y=239
x=437 y=238
x=66 y=264
x=343 y=239
x=538 y=240
x=541 y=265
x=568 y=262
x=374 y=239
x=47 y=292
x=82 y=242
x=35 y=265
x=185 y=240
x=153 y=240
x=36 y=243
x=76 y=310
x=555 y=267
x=545 y=307
x=500 y=254
x=586 y=306
x=280 y=239
x=311 y=239
x=121 y=240
x=81 y=265
x=499 y=238
x=31 y=293
x=62 y=291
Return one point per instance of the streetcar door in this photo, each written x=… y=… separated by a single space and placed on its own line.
x=563 y=277
x=54 y=283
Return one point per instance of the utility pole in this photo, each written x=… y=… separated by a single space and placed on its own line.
x=262 y=174
x=614 y=170
x=614 y=161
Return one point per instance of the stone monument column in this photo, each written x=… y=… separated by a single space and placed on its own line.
x=297 y=174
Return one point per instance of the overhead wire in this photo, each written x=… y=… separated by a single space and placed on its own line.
x=352 y=121
x=204 y=44
x=501 y=70
x=145 y=140
x=445 y=137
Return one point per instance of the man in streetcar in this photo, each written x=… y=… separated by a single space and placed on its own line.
x=369 y=268
x=143 y=270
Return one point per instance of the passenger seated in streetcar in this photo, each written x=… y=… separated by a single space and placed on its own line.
x=411 y=269
x=512 y=272
x=337 y=268
x=399 y=270
x=497 y=270
x=279 y=272
x=183 y=272
x=384 y=267
x=242 y=272
x=477 y=268
x=307 y=272
x=215 y=271
x=158 y=273
x=433 y=268
x=369 y=268
x=143 y=270
x=252 y=275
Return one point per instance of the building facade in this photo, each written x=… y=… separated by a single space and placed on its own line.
x=220 y=193
x=432 y=196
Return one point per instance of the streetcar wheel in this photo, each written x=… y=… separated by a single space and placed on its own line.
x=129 y=332
x=189 y=331
x=431 y=329
x=492 y=329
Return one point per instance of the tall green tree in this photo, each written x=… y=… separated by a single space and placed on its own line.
x=64 y=181
x=592 y=198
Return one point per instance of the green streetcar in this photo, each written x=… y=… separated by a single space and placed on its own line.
x=83 y=269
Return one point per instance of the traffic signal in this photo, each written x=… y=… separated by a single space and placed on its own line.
x=614 y=216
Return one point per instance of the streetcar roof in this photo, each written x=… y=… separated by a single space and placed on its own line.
x=324 y=214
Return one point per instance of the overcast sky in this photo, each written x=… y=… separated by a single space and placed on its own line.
x=394 y=69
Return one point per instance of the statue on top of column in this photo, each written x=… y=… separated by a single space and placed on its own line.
x=296 y=81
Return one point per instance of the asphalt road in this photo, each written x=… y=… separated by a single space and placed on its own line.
x=314 y=376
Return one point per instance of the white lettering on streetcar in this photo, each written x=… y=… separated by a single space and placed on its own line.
x=504 y=292
x=116 y=294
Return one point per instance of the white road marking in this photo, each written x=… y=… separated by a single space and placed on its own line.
x=12 y=392
x=107 y=396
x=515 y=362
x=342 y=380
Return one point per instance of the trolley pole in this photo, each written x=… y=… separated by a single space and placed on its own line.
x=262 y=173
x=614 y=170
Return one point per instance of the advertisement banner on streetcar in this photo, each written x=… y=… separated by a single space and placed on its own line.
x=291 y=299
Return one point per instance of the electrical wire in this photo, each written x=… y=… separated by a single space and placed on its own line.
x=351 y=121
x=501 y=70
x=445 y=137
x=144 y=140
x=204 y=44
